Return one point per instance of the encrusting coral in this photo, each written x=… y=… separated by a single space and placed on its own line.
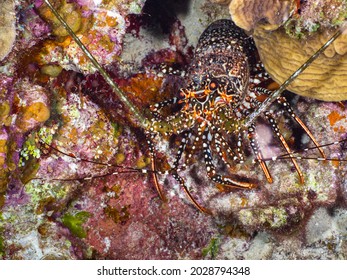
x=247 y=14
x=33 y=106
x=100 y=27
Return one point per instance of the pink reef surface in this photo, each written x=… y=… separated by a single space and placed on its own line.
x=50 y=92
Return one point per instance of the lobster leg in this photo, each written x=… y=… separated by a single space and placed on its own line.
x=257 y=152
x=211 y=170
x=174 y=173
x=175 y=168
x=181 y=149
x=223 y=149
x=286 y=105
x=151 y=148
x=180 y=180
x=284 y=143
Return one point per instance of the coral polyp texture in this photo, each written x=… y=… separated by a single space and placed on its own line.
x=72 y=184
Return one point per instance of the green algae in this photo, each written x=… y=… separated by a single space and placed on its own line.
x=294 y=28
x=320 y=16
x=31 y=152
x=2 y=246
x=270 y=217
x=42 y=194
x=340 y=18
x=322 y=194
x=28 y=150
x=212 y=248
x=134 y=8
x=314 y=27
x=31 y=148
x=117 y=129
x=75 y=223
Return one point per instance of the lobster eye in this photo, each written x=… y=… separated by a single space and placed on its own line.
x=213 y=85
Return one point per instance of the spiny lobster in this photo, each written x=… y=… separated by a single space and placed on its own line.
x=222 y=92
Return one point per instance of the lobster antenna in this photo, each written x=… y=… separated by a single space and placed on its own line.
x=119 y=169
x=294 y=153
x=290 y=156
x=120 y=94
x=124 y=168
x=275 y=94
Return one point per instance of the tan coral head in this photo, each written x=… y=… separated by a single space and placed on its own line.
x=325 y=79
x=272 y=13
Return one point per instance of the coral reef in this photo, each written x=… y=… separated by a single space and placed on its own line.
x=248 y=14
x=286 y=49
x=32 y=104
x=81 y=196
x=301 y=16
x=286 y=35
x=24 y=107
x=100 y=27
x=282 y=55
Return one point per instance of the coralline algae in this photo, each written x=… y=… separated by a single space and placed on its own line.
x=44 y=96
x=99 y=26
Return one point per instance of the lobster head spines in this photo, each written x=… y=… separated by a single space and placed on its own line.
x=219 y=35
x=222 y=79
x=219 y=72
x=214 y=89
